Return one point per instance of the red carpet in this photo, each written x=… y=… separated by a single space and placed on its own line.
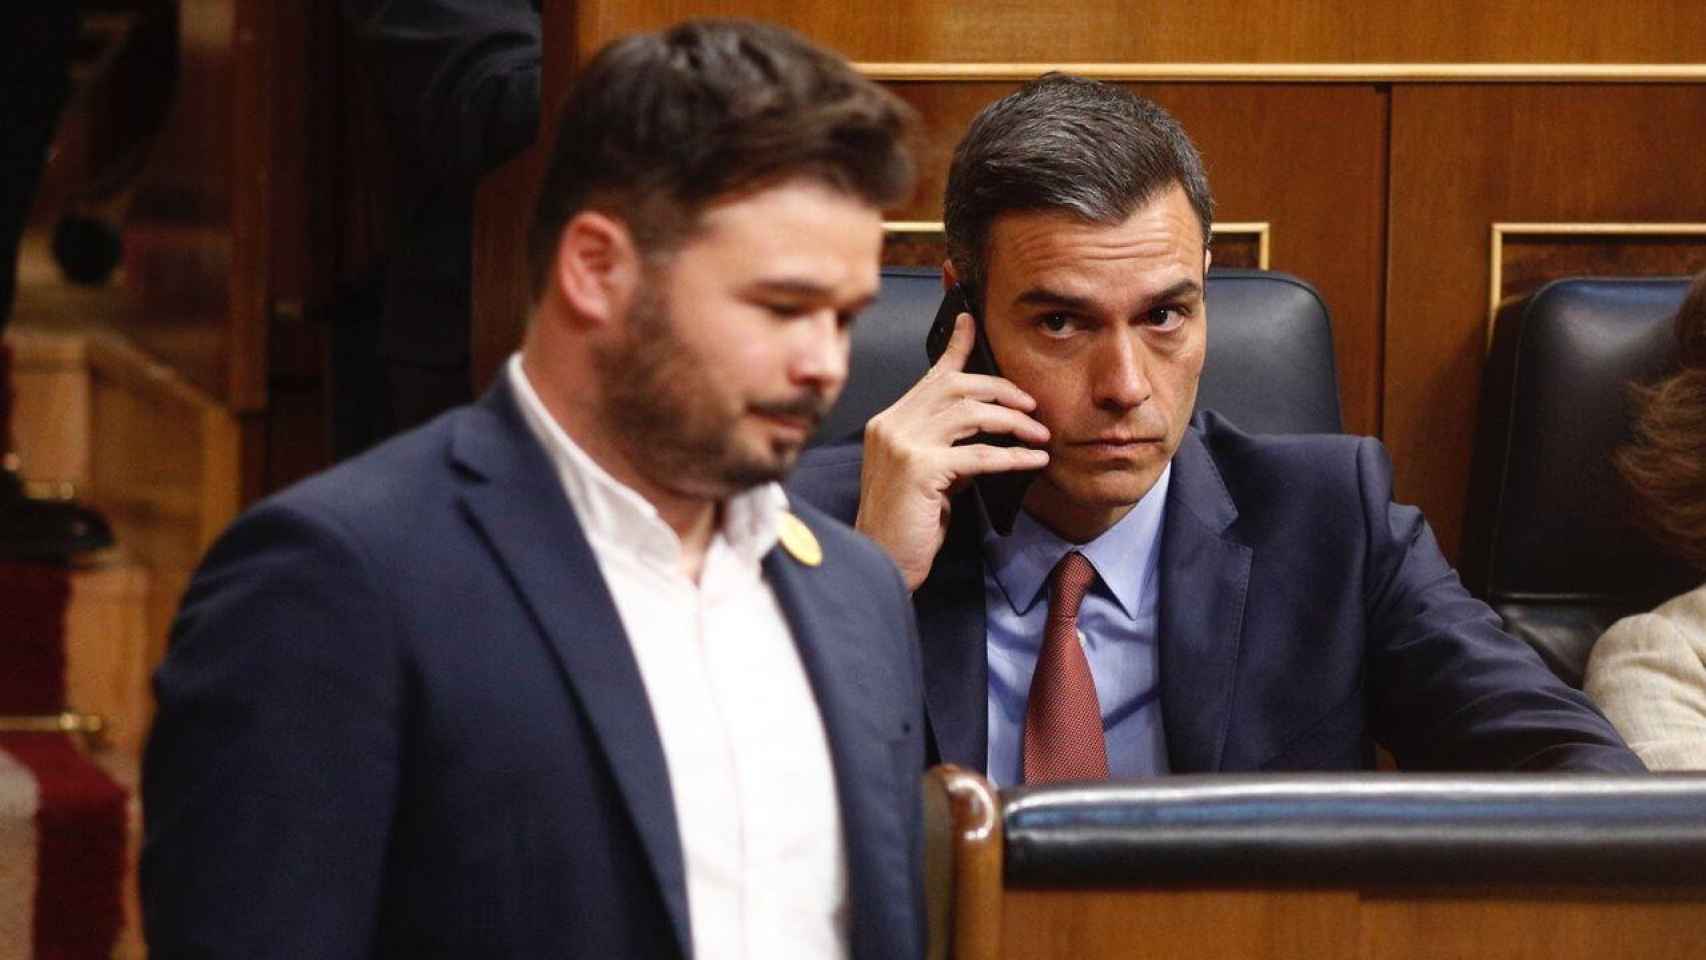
x=62 y=820
x=33 y=598
x=79 y=825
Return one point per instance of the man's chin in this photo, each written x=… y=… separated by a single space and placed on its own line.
x=737 y=476
x=1108 y=490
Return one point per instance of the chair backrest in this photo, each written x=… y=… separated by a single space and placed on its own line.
x=1329 y=865
x=1550 y=539
x=1269 y=369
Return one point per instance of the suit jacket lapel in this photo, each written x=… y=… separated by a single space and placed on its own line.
x=842 y=673
x=1205 y=575
x=518 y=503
x=951 y=627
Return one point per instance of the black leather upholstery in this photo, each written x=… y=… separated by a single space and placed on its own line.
x=1550 y=539
x=1269 y=369
x=1359 y=829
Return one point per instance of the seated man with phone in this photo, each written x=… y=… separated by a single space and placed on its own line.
x=1105 y=587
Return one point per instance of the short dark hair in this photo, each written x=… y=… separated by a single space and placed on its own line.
x=1666 y=465
x=1068 y=144
x=658 y=126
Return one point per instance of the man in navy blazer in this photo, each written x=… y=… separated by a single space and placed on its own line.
x=562 y=673
x=1254 y=603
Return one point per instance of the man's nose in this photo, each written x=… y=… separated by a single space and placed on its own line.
x=1120 y=380
x=820 y=353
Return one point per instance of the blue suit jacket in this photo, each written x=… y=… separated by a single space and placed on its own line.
x=1303 y=616
x=400 y=718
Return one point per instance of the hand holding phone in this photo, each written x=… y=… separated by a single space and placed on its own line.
x=1002 y=493
x=955 y=425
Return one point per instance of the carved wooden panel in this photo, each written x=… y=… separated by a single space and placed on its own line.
x=1526 y=256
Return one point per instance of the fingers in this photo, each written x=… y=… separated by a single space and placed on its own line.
x=988 y=389
x=948 y=405
x=970 y=416
x=977 y=459
x=959 y=346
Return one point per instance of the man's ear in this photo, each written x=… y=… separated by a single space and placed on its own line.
x=1207 y=258
x=597 y=268
x=950 y=276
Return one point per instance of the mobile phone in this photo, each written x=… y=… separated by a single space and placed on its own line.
x=1001 y=493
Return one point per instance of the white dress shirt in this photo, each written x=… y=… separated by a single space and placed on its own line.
x=749 y=763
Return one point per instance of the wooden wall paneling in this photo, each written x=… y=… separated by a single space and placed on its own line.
x=920 y=243
x=1466 y=156
x=1166 y=924
x=180 y=262
x=254 y=94
x=164 y=461
x=503 y=207
x=1535 y=925
x=1209 y=31
x=50 y=410
x=306 y=176
x=106 y=651
x=1344 y=923
x=1307 y=160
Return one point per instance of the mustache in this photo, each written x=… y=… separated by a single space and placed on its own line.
x=811 y=404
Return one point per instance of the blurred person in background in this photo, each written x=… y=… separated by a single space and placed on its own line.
x=1648 y=672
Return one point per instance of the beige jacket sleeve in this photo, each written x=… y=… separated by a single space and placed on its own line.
x=1648 y=673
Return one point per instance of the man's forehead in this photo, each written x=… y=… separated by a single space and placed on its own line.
x=1157 y=247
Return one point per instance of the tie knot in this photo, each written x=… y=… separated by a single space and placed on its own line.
x=1067 y=585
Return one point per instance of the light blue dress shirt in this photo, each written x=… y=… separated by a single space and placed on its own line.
x=1116 y=625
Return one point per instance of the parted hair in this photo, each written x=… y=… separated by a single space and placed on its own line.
x=658 y=126
x=1665 y=466
x=1067 y=144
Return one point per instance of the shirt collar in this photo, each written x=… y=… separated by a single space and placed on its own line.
x=612 y=513
x=1123 y=555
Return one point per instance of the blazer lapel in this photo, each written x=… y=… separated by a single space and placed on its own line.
x=1205 y=576
x=953 y=632
x=518 y=504
x=841 y=670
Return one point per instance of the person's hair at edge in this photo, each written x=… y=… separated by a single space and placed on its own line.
x=659 y=126
x=1065 y=144
x=1666 y=464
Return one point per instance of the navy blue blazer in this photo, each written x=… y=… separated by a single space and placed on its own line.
x=400 y=718
x=1303 y=617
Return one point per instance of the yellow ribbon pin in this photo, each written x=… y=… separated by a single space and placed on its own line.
x=797 y=539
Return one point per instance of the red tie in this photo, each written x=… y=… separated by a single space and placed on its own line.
x=1063 y=719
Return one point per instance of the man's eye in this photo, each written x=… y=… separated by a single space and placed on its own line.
x=785 y=311
x=1055 y=323
x=1165 y=318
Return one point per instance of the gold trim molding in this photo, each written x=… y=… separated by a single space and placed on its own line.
x=1259 y=229
x=69 y=721
x=1496 y=256
x=935 y=72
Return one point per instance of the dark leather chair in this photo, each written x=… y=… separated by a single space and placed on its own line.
x=1270 y=353
x=1550 y=540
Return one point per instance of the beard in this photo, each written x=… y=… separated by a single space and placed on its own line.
x=674 y=415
